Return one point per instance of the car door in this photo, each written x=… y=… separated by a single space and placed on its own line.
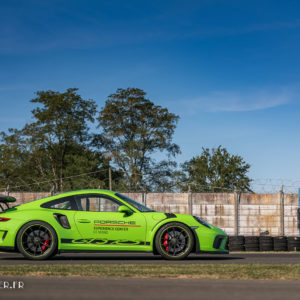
x=102 y=227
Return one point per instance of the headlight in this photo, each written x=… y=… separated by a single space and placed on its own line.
x=202 y=222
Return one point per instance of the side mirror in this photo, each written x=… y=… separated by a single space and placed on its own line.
x=125 y=210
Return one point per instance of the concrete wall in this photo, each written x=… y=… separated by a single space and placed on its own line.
x=24 y=197
x=249 y=214
x=291 y=205
x=218 y=209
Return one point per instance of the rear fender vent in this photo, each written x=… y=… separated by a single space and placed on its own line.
x=62 y=220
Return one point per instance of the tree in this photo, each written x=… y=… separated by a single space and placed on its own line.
x=61 y=125
x=13 y=155
x=54 y=146
x=215 y=171
x=133 y=129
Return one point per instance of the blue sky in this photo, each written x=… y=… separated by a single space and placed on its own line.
x=230 y=69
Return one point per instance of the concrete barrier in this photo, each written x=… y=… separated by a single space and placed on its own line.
x=244 y=214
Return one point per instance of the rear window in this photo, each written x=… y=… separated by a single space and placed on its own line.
x=67 y=203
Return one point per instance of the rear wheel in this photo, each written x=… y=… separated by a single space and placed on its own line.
x=37 y=240
x=174 y=241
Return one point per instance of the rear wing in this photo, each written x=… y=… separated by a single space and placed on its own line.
x=5 y=200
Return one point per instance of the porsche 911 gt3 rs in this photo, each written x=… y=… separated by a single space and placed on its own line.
x=102 y=221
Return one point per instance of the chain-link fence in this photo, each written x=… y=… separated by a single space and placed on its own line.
x=103 y=179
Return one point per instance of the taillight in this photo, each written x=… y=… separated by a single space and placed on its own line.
x=4 y=219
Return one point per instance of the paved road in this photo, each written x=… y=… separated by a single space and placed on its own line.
x=149 y=289
x=138 y=258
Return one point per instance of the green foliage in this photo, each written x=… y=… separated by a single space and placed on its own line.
x=54 y=146
x=59 y=131
x=133 y=129
x=215 y=171
x=57 y=146
x=13 y=156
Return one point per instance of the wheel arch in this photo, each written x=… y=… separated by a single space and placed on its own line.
x=168 y=221
x=29 y=221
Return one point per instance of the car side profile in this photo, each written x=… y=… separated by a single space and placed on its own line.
x=102 y=221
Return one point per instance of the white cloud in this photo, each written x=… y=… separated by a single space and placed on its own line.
x=233 y=101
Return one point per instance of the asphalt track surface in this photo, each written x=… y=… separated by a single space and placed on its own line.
x=142 y=258
x=149 y=289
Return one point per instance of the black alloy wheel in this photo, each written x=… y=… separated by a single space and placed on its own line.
x=37 y=240
x=174 y=241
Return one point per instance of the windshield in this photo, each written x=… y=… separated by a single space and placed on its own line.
x=134 y=203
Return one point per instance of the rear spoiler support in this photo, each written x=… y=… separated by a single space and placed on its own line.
x=5 y=200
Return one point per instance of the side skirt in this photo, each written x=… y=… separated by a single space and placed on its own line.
x=102 y=251
x=7 y=249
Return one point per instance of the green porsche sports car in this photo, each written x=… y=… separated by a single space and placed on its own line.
x=102 y=221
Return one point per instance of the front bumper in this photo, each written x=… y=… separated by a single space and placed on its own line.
x=210 y=241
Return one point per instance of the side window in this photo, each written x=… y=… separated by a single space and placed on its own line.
x=97 y=203
x=67 y=203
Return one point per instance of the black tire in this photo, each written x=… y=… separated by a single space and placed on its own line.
x=295 y=239
x=293 y=248
x=251 y=243
x=174 y=241
x=266 y=239
x=37 y=240
x=266 y=243
x=251 y=249
x=236 y=243
x=251 y=239
x=255 y=245
x=279 y=239
x=266 y=249
x=237 y=248
x=238 y=239
x=293 y=243
x=280 y=243
x=280 y=248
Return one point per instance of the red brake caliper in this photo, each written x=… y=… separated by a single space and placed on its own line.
x=46 y=244
x=165 y=243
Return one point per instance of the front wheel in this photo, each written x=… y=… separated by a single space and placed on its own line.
x=174 y=241
x=37 y=240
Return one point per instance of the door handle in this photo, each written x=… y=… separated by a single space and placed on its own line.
x=84 y=221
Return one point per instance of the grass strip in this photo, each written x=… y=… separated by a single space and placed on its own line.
x=208 y=271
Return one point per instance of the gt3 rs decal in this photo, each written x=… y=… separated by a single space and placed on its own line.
x=104 y=242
